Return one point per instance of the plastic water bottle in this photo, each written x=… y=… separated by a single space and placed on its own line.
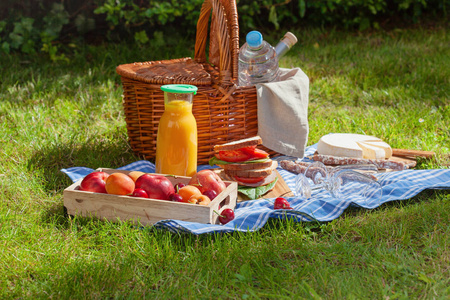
x=258 y=61
x=286 y=43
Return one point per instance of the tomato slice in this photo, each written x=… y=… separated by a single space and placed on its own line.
x=243 y=154
x=255 y=153
x=233 y=156
x=249 y=179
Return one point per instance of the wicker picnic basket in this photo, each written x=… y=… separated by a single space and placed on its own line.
x=224 y=111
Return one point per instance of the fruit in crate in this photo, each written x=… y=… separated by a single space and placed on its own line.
x=178 y=186
x=94 y=182
x=203 y=187
x=156 y=186
x=193 y=200
x=199 y=199
x=186 y=192
x=135 y=175
x=175 y=197
x=139 y=193
x=141 y=210
x=119 y=184
x=208 y=180
x=210 y=193
x=204 y=200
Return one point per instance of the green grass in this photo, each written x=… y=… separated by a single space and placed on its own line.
x=394 y=85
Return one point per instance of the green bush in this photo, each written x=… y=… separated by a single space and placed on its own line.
x=48 y=27
x=28 y=35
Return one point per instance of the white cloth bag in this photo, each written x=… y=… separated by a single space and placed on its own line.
x=283 y=112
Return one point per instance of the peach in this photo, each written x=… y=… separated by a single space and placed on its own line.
x=199 y=199
x=193 y=199
x=203 y=200
x=119 y=184
x=135 y=175
x=186 y=192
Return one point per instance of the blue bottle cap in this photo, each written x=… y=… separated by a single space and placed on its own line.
x=254 y=39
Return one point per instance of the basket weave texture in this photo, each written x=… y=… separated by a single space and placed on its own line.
x=224 y=112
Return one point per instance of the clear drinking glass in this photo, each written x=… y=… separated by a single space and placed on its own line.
x=341 y=182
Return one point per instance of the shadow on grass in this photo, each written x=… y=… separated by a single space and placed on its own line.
x=111 y=152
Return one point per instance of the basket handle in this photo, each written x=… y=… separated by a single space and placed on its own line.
x=224 y=37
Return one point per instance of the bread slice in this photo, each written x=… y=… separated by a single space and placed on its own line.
x=247 y=166
x=252 y=173
x=253 y=141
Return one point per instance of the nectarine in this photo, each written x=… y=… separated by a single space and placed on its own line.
x=135 y=175
x=186 y=192
x=119 y=184
x=203 y=200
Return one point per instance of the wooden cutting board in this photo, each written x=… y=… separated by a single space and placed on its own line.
x=407 y=156
x=410 y=162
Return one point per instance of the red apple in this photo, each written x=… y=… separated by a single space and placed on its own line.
x=139 y=193
x=94 y=182
x=208 y=180
x=156 y=186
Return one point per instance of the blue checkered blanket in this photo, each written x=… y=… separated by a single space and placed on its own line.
x=252 y=215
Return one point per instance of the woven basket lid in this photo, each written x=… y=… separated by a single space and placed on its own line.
x=183 y=70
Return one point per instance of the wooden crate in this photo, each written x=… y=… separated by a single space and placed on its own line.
x=144 y=211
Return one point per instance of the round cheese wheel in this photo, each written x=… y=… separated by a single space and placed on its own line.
x=354 y=145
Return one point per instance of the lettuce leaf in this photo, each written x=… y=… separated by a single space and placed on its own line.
x=256 y=192
x=215 y=161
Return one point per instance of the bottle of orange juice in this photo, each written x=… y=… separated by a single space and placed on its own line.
x=176 y=143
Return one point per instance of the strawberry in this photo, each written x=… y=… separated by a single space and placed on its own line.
x=281 y=203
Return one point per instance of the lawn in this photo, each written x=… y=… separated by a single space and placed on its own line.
x=392 y=84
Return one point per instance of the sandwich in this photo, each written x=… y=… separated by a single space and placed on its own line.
x=246 y=164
